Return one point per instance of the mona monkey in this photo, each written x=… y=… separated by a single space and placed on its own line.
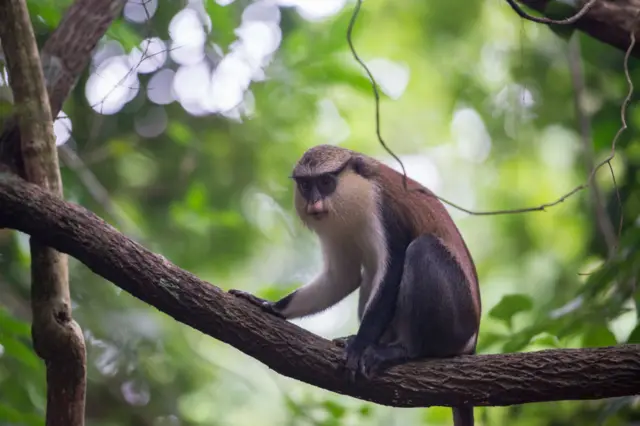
x=419 y=294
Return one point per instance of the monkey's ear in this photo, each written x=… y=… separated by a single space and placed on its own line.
x=361 y=166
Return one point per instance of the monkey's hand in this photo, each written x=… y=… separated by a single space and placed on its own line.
x=265 y=305
x=343 y=342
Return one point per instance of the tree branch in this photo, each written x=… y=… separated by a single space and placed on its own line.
x=65 y=56
x=57 y=339
x=609 y=21
x=479 y=380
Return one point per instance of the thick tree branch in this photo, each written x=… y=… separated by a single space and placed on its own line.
x=65 y=56
x=289 y=350
x=57 y=339
x=609 y=21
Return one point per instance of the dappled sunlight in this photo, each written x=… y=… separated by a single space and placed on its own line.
x=392 y=77
x=62 y=128
x=207 y=81
x=188 y=31
x=139 y=11
x=471 y=136
x=331 y=127
x=111 y=85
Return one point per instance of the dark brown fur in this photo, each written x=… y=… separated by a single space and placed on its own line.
x=419 y=209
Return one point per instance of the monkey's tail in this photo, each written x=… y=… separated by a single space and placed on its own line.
x=463 y=416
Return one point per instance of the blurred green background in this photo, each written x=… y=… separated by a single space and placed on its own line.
x=183 y=132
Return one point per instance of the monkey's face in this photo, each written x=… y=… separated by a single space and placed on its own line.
x=313 y=193
x=334 y=203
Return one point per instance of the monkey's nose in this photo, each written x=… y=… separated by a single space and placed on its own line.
x=316 y=207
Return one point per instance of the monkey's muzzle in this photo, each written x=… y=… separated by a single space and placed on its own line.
x=317 y=209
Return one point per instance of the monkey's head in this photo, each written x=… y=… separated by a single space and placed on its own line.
x=334 y=190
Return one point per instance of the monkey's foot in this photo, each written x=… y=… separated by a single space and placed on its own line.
x=378 y=358
x=343 y=342
x=353 y=353
x=265 y=305
x=373 y=359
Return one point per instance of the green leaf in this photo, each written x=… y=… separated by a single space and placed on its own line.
x=634 y=337
x=122 y=32
x=9 y=324
x=180 y=133
x=11 y=416
x=509 y=306
x=224 y=20
x=20 y=351
x=337 y=411
x=488 y=339
x=597 y=336
x=365 y=410
x=545 y=341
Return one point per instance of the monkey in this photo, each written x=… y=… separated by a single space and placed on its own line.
x=388 y=236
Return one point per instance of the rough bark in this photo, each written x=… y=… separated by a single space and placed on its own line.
x=289 y=350
x=64 y=56
x=57 y=339
x=609 y=21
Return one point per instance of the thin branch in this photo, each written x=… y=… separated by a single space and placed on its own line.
x=57 y=338
x=480 y=380
x=606 y=21
x=571 y=20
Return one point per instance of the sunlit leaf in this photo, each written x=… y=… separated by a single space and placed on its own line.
x=337 y=410
x=509 y=306
x=487 y=339
x=634 y=337
x=597 y=336
x=20 y=351
x=544 y=341
x=122 y=32
x=365 y=410
x=224 y=20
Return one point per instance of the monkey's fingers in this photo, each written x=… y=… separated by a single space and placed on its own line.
x=254 y=300
x=343 y=342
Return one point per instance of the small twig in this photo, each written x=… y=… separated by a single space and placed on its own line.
x=543 y=20
x=374 y=86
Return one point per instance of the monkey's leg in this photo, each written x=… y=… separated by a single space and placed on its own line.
x=434 y=315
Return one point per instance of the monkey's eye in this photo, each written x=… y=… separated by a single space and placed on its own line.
x=326 y=184
x=304 y=185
